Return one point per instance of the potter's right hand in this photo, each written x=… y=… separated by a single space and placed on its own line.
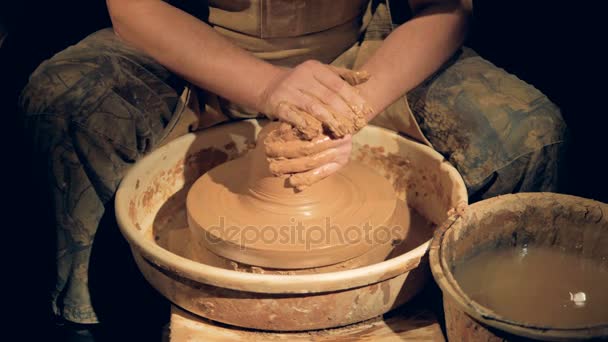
x=305 y=162
x=314 y=96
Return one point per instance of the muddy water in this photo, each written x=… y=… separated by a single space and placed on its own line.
x=537 y=285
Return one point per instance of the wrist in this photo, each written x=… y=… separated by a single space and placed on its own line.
x=370 y=93
x=267 y=84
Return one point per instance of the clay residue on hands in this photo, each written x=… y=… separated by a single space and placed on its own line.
x=353 y=124
x=349 y=125
x=355 y=78
x=299 y=144
x=351 y=76
x=300 y=164
x=340 y=125
x=285 y=143
x=305 y=126
x=302 y=161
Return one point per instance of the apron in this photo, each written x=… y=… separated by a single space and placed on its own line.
x=286 y=33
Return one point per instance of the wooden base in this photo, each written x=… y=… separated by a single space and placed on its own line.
x=402 y=325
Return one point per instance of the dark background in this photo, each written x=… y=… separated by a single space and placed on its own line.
x=551 y=44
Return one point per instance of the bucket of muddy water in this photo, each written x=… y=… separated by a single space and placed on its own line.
x=524 y=266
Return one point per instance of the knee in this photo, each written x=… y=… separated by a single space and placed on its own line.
x=39 y=97
x=539 y=124
x=505 y=116
x=59 y=95
x=49 y=84
x=535 y=158
x=539 y=164
x=484 y=120
x=63 y=80
x=517 y=142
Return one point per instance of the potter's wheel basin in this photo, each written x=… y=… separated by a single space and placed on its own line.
x=151 y=199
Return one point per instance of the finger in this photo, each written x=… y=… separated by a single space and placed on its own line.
x=334 y=92
x=358 y=109
x=351 y=77
x=282 y=166
x=354 y=78
x=305 y=123
x=326 y=104
x=303 y=180
x=311 y=101
x=339 y=125
x=321 y=103
x=339 y=154
x=277 y=147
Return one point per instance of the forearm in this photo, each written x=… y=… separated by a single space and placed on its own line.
x=412 y=52
x=192 y=49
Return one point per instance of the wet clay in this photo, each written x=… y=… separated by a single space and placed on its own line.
x=352 y=77
x=361 y=111
x=289 y=155
x=543 y=286
x=307 y=126
x=411 y=231
x=243 y=212
x=171 y=233
x=284 y=142
x=342 y=125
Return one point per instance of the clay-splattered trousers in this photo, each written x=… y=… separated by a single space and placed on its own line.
x=96 y=108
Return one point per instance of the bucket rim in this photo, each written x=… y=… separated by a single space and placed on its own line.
x=450 y=287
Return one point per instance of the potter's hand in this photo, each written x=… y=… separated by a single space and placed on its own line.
x=314 y=96
x=306 y=162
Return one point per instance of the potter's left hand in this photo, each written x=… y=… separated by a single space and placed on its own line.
x=316 y=98
x=306 y=162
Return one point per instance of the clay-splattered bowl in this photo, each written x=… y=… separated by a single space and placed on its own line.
x=570 y=224
x=151 y=213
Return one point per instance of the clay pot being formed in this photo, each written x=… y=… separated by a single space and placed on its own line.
x=249 y=218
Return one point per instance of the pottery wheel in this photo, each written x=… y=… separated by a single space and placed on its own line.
x=241 y=212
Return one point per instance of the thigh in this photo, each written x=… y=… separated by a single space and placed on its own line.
x=482 y=118
x=107 y=88
x=91 y=111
